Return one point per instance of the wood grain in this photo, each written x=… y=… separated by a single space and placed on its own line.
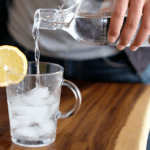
x=104 y=113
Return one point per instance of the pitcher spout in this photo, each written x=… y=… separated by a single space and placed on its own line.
x=48 y=19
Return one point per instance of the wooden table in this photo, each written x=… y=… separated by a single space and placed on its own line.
x=113 y=116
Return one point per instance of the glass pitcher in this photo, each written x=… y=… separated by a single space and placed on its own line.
x=87 y=21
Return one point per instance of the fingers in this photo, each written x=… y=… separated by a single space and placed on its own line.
x=144 y=30
x=131 y=24
x=117 y=19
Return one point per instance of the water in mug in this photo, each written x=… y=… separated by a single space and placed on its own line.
x=32 y=115
x=90 y=29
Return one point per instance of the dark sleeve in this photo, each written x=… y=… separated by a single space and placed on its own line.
x=140 y=59
x=3 y=22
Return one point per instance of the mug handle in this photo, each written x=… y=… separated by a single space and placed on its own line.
x=77 y=94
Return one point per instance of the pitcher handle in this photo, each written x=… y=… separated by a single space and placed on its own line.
x=77 y=94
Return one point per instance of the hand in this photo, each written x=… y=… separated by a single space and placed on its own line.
x=136 y=8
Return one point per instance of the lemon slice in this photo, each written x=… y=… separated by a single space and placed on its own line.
x=13 y=65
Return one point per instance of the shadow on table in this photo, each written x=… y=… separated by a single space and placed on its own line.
x=17 y=147
x=49 y=147
x=148 y=142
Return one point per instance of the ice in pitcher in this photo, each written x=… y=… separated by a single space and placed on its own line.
x=33 y=115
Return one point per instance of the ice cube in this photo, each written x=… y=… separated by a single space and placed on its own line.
x=41 y=113
x=51 y=99
x=28 y=115
x=27 y=132
x=49 y=127
x=23 y=120
x=53 y=109
x=38 y=96
x=15 y=100
x=14 y=123
x=19 y=116
x=20 y=109
x=39 y=92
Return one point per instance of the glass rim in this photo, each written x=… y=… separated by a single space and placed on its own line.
x=44 y=74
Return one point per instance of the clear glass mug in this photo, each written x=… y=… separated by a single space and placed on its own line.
x=34 y=109
x=17 y=147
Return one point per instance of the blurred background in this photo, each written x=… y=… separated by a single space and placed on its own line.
x=81 y=61
x=4 y=17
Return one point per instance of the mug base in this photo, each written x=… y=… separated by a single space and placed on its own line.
x=39 y=143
